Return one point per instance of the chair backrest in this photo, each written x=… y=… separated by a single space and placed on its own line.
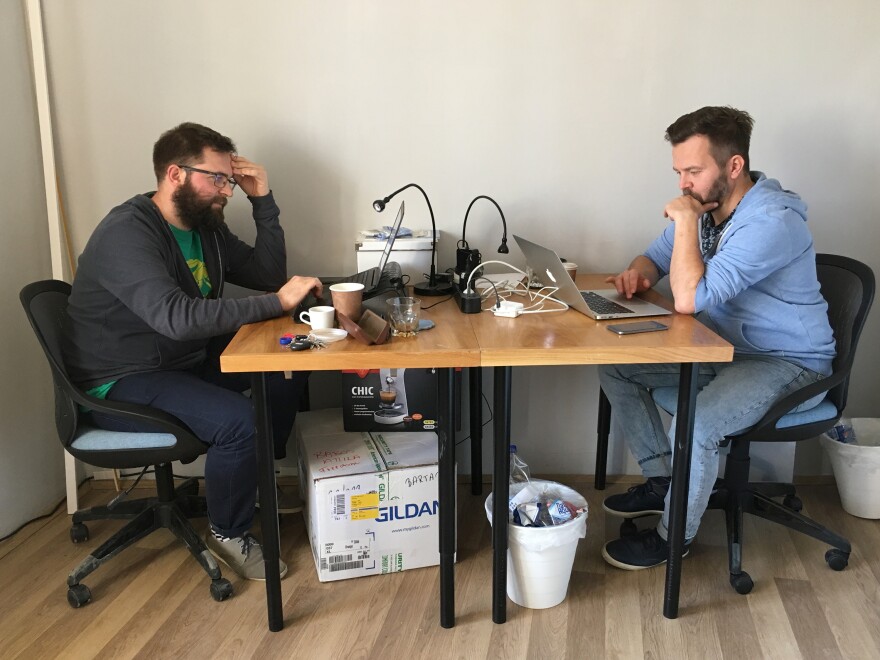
x=848 y=288
x=45 y=304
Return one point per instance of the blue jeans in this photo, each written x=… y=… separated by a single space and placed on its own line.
x=212 y=405
x=731 y=397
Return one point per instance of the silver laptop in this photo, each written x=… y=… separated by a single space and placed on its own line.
x=381 y=276
x=598 y=304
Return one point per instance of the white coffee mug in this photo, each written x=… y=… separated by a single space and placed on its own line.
x=319 y=318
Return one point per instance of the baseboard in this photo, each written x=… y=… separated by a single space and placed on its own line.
x=288 y=476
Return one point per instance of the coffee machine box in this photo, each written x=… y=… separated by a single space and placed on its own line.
x=371 y=499
x=389 y=400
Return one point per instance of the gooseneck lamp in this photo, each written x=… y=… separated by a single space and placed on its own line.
x=466 y=259
x=432 y=287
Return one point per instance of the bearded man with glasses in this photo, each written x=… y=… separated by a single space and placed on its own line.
x=147 y=321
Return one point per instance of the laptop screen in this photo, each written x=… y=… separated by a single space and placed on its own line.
x=390 y=242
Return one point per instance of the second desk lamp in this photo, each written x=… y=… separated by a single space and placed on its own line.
x=466 y=259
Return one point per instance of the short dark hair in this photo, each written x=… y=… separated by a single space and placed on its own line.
x=185 y=144
x=729 y=131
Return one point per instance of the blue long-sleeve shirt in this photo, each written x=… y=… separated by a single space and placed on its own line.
x=760 y=291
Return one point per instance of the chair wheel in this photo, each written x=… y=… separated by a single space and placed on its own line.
x=78 y=595
x=741 y=582
x=837 y=559
x=79 y=533
x=221 y=589
x=628 y=528
x=793 y=502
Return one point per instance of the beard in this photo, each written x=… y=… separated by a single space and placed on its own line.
x=195 y=212
x=718 y=191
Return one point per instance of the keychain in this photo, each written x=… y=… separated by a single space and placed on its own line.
x=300 y=342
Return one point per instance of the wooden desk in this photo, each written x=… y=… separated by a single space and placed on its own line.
x=478 y=340
x=255 y=349
x=571 y=338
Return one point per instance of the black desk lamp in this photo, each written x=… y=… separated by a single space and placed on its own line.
x=466 y=259
x=432 y=287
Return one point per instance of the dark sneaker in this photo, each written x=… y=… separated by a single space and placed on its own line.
x=643 y=550
x=642 y=500
x=288 y=501
x=242 y=554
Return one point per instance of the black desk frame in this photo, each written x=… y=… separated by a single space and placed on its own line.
x=500 y=488
x=269 y=503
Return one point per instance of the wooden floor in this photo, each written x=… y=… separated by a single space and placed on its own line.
x=152 y=601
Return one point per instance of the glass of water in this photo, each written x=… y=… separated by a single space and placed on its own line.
x=404 y=314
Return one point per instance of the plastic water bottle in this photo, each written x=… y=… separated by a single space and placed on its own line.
x=519 y=471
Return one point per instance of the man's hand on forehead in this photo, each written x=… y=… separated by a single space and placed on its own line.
x=250 y=176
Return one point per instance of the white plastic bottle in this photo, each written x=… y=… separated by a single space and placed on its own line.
x=519 y=471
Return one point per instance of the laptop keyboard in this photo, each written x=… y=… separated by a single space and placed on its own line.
x=601 y=305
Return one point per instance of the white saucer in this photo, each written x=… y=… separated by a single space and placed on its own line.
x=329 y=335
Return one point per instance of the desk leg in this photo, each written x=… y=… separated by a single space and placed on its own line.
x=681 y=474
x=476 y=406
x=268 y=501
x=446 y=492
x=500 y=492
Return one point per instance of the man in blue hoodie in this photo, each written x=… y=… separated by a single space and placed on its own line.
x=738 y=254
x=146 y=320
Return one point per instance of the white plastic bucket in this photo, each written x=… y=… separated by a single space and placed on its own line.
x=857 y=468
x=540 y=559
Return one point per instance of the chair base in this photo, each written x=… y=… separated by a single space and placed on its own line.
x=170 y=510
x=736 y=496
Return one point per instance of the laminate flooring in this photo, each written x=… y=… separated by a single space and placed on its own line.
x=152 y=601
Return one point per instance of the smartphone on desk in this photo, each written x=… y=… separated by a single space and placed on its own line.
x=639 y=326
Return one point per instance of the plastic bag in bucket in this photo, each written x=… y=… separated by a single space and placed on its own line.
x=540 y=559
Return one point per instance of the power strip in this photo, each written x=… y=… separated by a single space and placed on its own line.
x=508 y=309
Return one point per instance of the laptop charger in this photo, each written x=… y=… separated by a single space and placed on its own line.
x=508 y=309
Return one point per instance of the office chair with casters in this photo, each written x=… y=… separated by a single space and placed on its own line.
x=45 y=304
x=848 y=288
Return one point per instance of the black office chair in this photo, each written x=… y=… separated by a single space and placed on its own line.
x=45 y=304
x=848 y=287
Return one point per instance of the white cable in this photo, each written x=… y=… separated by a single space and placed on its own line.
x=532 y=294
x=467 y=286
x=546 y=297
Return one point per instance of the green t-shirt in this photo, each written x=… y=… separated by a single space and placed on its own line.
x=191 y=246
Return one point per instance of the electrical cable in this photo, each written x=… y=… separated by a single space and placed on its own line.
x=491 y=417
x=494 y=288
x=45 y=515
x=121 y=496
x=439 y=302
x=532 y=295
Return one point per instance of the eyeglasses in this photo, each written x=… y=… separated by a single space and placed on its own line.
x=220 y=179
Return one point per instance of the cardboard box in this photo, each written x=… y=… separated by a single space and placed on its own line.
x=371 y=499
x=389 y=400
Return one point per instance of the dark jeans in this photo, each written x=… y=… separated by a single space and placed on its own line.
x=210 y=403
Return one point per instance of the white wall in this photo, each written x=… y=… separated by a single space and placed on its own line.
x=555 y=109
x=31 y=467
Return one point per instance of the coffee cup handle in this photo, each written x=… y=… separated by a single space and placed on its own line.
x=304 y=318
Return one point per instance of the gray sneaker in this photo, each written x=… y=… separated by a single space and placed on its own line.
x=242 y=554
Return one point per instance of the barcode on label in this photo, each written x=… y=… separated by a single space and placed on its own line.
x=339 y=504
x=340 y=563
